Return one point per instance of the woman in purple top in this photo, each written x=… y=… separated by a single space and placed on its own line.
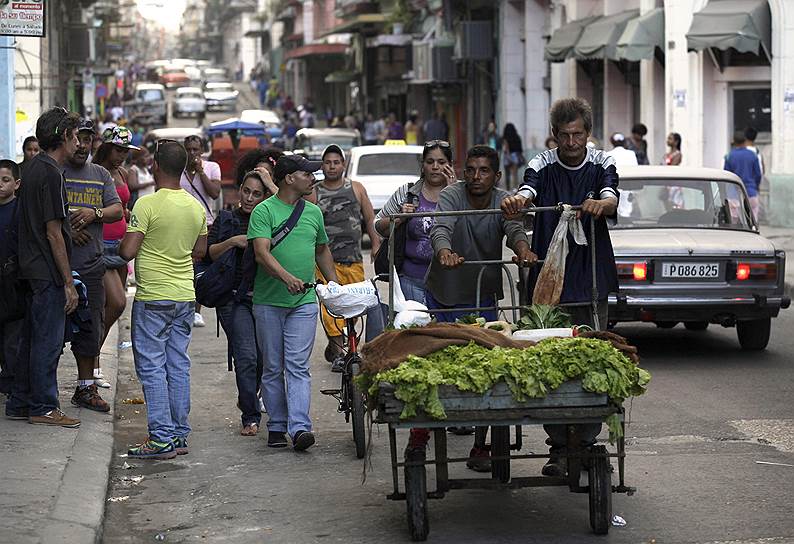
x=436 y=173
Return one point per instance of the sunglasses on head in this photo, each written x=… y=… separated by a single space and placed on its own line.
x=161 y=142
x=437 y=143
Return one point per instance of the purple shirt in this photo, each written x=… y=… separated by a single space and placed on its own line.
x=418 y=247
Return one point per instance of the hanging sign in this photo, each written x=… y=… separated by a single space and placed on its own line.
x=19 y=18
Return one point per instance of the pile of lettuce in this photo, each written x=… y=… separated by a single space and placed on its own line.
x=529 y=373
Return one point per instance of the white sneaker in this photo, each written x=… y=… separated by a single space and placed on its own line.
x=100 y=382
x=198 y=321
x=98 y=374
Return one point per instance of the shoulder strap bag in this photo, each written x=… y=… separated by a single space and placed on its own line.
x=381 y=263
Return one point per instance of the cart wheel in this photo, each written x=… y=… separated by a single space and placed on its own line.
x=500 y=447
x=356 y=407
x=416 y=501
x=600 y=491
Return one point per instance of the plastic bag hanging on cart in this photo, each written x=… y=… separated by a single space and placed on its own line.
x=548 y=288
x=348 y=301
x=409 y=313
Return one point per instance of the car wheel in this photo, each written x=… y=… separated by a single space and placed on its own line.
x=696 y=325
x=666 y=324
x=754 y=335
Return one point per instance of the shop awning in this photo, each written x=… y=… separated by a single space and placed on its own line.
x=642 y=36
x=341 y=76
x=316 y=49
x=564 y=39
x=599 y=39
x=359 y=23
x=744 y=25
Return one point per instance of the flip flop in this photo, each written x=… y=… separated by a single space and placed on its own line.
x=250 y=430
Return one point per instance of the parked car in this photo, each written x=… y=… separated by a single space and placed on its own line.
x=148 y=105
x=221 y=96
x=688 y=250
x=382 y=169
x=214 y=75
x=270 y=119
x=189 y=101
x=173 y=77
x=310 y=142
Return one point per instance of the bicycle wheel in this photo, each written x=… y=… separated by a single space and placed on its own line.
x=600 y=491
x=356 y=403
x=416 y=500
x=500 y=447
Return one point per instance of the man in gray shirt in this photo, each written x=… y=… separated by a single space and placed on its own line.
x=93 y=200
x=458 y=239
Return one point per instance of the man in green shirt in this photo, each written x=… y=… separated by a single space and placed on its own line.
x=284 y=310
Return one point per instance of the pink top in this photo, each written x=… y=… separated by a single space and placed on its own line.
x=115 y=231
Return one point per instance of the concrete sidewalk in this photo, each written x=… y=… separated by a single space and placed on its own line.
x=53 y=481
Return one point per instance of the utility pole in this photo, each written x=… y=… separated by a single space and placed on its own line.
x=8 y=107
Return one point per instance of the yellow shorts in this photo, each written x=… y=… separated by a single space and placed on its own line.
x=346 y=273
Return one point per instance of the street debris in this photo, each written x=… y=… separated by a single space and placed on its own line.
x=127 y=466
x=124 y=346
x=134 y=480
x=159 y=536
x=618 y=521
x=136 y=400
x=774 y=464
x=118 y=499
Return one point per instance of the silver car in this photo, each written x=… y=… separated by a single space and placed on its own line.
x=688 y=250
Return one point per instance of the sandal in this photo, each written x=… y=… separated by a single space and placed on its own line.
x=250 y=430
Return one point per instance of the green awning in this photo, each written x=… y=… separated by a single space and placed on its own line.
x=564 y=39
x=642 y=36
x=744 y=25
x=341 y=76
x=599 y=39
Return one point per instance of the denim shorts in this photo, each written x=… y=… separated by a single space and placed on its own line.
x=111 y=255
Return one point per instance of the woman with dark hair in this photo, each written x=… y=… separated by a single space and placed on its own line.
x=258 y=159
x=112 y=153
x=228 y=233
x=673 y=156
x=513 y=153
x=435 y=174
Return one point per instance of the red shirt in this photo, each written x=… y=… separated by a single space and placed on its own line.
x=116 y=231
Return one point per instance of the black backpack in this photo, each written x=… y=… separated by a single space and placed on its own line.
x=215 y=283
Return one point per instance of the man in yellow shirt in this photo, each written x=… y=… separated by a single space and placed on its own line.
x=166 y=231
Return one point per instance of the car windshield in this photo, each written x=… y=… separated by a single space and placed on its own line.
x=220 y=88
x=190 y=95
x=647 y=203
x=318 y=142
x=150 y=95
x=389 y=164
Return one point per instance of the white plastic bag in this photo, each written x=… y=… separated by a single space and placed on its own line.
x=552 y=276
x=350 y=300
x=409 y=313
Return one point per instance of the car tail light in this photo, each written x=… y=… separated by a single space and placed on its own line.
x=633 y=271
x=756 y=271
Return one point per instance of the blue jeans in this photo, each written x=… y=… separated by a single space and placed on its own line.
x=160 y=339
x=248 y=361
x=413 y=289
x=35 y=388
x=451 y=317
x=286 y=338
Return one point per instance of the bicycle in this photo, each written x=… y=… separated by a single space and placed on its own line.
x=351 y=399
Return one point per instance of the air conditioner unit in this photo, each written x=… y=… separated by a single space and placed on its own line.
x=432 y=63
x=474 y=40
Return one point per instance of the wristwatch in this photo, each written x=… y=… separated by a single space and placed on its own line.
x=99 y=214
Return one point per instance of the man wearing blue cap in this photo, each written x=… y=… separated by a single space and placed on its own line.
x=289 y=237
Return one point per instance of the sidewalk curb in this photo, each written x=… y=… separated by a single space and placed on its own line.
x=79 y=509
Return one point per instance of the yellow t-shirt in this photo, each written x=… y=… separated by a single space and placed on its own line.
x=171 y=221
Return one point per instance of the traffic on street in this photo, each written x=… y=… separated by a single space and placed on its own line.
x=395 y=271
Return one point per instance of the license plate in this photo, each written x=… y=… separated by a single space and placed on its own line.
x=690 y=270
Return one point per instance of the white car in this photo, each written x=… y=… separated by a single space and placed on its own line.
x=382 y=169
x=189 y=101
x=221 y=96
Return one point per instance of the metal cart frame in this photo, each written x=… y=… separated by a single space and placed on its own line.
x=568 y=405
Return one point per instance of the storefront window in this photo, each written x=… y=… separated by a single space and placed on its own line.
x=753 y=108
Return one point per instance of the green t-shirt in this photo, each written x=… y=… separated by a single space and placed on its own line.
x=295 y=252
x=171 y=221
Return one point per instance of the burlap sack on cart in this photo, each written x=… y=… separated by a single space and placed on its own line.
x=552 y=276
x=393 y=347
